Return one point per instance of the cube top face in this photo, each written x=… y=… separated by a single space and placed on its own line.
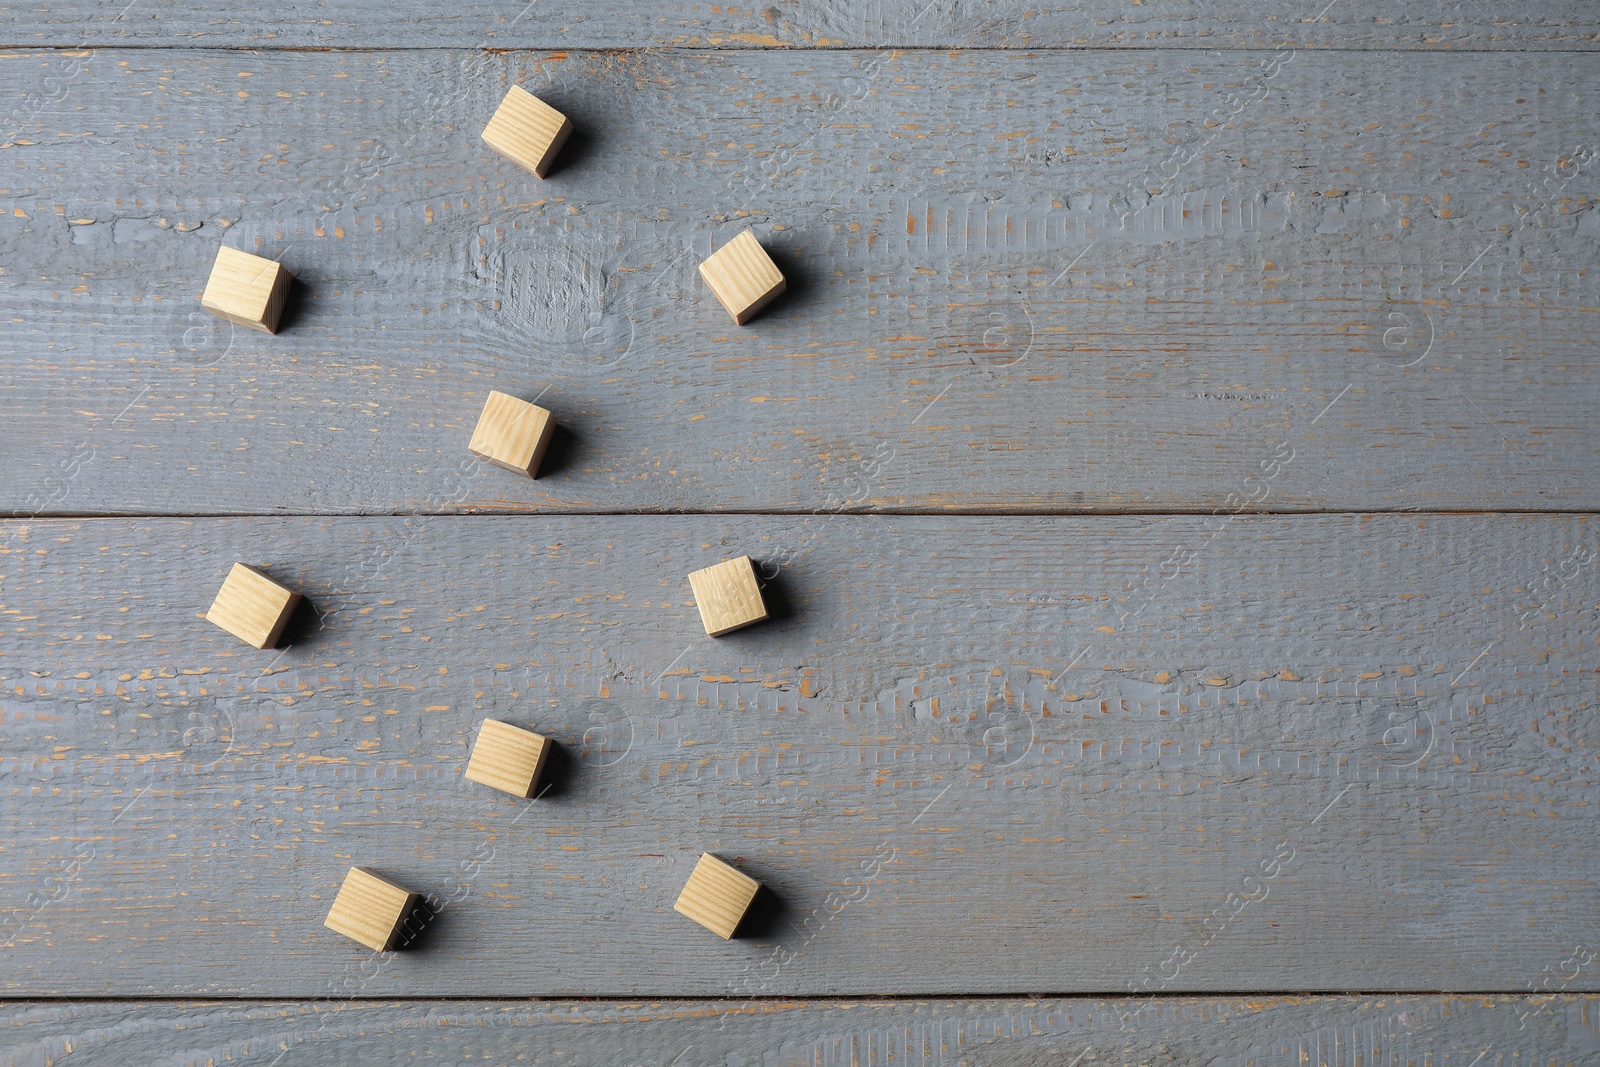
x=743 y=277
x=370 y=909
x=728 y=596
x=527 y=131
x=252 y=607
x=507 y=758
x=717 y=896
x=247 y=290
x=512 y=433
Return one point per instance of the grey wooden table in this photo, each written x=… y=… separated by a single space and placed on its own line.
x=1174 y=458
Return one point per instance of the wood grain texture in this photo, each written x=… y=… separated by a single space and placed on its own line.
x=512 y=434
x=742 y=277
x=978 y=755
x=246 y=290
x=252 y=607
x=1402 y=24
x=370 y=909
x=1442 y=1031
x=728 y=596
x=527 y=131
x=507 y=758
x=1140 y=282
x=717 y=896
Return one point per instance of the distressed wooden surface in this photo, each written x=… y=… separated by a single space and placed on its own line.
x=1398 y=24
x=1123 y=258
x=1442 y=1031
x=968 y=755
x=1012 y=288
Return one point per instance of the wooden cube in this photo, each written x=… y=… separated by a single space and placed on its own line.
x=527 y=131
x=743 y=276
x=512 y=434
x=252 y=607
x=370 y=909
x=507 y=758
x=717 y=896
x=247 y=290
x=728 y=596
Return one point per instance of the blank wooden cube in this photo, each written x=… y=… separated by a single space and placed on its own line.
x=507 y=758
x=247 y=290
x=743 y=276
x=512 y=434
x=252 y=607
x=527 y=131
x=370 y=909
x=717 y=896
x=728 y=596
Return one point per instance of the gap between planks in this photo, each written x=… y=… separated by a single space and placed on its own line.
x=802 y=513
x=34 y=48
x=841 y=999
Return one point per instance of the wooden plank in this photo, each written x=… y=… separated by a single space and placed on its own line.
x=1442 y=1030
x=1359 y=293
x=967 y=754
x=1403 y=24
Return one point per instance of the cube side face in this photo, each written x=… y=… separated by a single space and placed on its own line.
x=743 y=277
x=717 y=896
x=370 y=909
x=527 y=131
x=252 y=607
x=507 y=758
x=276 y=300
x=247 y=290
x=512 y=434
x=728 y=596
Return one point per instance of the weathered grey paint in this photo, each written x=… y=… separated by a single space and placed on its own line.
x=1214 y=24
x=1021 y=282
x=1255 y=259
x=1443 y=1031
x=968 y=755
